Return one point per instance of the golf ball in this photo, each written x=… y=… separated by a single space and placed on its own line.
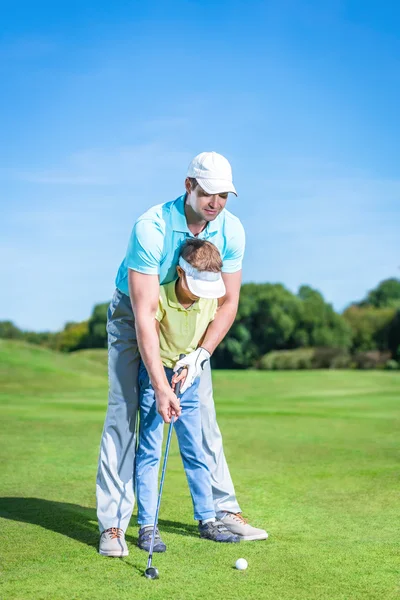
x=241 y=564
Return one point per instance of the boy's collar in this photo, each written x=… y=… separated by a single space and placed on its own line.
x=174 y=302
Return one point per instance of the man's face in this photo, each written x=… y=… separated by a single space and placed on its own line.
x=206 y=206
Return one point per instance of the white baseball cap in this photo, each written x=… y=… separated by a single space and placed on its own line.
x=204 y=284
x=213 y=173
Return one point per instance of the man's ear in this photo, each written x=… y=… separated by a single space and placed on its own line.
x=188 y=187
x=179 y=270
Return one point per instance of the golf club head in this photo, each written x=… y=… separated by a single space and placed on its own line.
x=151 y=573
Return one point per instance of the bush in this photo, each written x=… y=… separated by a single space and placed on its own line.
x=371 y=360
x=306 y=358
x=287 y=359
x=392 y=365
x=331 y=358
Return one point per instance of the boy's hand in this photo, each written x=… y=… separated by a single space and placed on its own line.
x=167 y=404
x=195 y=364
x=179 y=377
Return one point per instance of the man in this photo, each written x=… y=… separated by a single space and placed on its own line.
x=151 y=260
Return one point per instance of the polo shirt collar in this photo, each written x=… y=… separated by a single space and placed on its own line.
x=178 y=220
x=178 y=217
x=173 y=301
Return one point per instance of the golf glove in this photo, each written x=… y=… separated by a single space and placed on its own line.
x=194 y=362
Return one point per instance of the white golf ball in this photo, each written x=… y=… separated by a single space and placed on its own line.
x=241 y=564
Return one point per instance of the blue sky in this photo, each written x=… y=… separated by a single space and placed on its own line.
x=103 y=105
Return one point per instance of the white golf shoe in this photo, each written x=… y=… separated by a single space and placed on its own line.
x=112 y=543
x=237 y=524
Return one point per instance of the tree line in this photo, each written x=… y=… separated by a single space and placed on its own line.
x=275 y=329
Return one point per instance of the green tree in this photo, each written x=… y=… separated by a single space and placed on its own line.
x=73 y=337
x=271 y=318
x=41 y=338
x=266 y=319
x=371 y=327
x=319 y=325
x=9 y=331
x=97 y=334
x=385 y=295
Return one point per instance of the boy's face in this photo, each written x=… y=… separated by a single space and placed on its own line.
x=206 y=206
x=184 y=285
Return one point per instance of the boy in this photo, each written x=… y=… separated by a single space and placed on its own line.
x=186 y=307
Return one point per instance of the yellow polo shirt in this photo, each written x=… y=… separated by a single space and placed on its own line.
x=181 y=328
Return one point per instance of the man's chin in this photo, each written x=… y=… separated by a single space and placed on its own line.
x=210 y=217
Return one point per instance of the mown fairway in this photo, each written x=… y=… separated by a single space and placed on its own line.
x=314 y=456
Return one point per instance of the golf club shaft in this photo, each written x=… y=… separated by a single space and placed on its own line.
x=167 y=445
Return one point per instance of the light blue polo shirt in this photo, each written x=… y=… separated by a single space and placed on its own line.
x=158 y=235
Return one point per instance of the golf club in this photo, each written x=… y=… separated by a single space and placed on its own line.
x=152 y=572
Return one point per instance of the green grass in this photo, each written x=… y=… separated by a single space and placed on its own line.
x=314 y=457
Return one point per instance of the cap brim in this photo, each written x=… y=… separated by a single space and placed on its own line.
x=216 y=186
x=206 y=289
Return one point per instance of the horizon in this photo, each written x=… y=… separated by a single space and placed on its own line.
x=104 y=106
x=351 y=303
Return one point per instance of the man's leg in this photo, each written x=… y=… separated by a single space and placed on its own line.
x=115 y=476
x=225 y=502
x=222 y=486
x=148 y=455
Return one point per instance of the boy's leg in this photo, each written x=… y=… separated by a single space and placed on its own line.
x=225 y=502
x=222 y=486
x=188 y=431
x=114 y=488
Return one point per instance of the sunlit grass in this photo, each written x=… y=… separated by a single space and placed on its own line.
x=314 y=457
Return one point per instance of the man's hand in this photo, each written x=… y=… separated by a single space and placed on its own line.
x=195 y=363
x=167 y=404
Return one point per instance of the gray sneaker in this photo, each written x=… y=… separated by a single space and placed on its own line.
x=144 y=541
x=237 y=524
x=112 y=543
x=217 y=532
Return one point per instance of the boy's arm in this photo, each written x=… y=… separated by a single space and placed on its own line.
x=215 y=332
x=144 y=293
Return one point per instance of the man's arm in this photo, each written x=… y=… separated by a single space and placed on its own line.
x=144 y=292
x=225 y=314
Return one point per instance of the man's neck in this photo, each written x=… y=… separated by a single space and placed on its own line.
x=195 y=224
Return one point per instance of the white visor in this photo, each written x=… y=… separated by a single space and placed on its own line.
x=204 y=284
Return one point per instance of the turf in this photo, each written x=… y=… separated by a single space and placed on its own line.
x=314 y=456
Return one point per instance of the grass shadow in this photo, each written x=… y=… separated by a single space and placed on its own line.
x=72 y=520
x=179 y=528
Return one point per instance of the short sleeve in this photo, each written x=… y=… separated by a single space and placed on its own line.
x=162 y=301
x=233 y=257
x=145 y=247
x=160 y=312
x=214 y=309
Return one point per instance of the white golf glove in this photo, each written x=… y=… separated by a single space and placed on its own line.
x=194 y=362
